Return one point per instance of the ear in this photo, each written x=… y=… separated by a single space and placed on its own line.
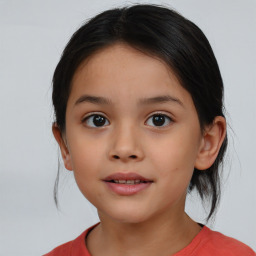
x=211 y=142
x=63 y=147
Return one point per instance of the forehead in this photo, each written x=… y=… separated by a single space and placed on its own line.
x=121 y=57
x=121 y=71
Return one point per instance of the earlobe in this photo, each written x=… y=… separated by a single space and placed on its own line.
x=63 y=147
x=211 y=143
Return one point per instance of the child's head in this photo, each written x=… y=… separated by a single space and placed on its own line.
x=150 y=40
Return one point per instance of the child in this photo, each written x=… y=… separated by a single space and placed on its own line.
x=138 y=99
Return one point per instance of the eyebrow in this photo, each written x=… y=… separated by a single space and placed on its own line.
x=144 y=101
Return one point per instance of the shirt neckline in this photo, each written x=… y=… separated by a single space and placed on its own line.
x=188 y=250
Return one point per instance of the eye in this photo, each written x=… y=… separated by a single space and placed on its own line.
x=95 y=120
x=160 y=120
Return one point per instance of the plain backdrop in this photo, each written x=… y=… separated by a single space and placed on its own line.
x=33 y=34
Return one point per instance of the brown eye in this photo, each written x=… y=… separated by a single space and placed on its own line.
x=95 y=120
x=159 y=120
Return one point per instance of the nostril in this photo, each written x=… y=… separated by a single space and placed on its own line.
x=117 y=157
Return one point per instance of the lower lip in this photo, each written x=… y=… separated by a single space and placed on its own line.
x=127 y=189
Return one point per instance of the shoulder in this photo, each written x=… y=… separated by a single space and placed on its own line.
x=64 y=249
x=219 y=244
x=75 y=247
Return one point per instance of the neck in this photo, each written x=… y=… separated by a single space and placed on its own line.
x=166 y=235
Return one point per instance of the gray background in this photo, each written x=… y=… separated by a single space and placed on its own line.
x=32 y=37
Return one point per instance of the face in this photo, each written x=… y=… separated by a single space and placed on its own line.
x=146 y=124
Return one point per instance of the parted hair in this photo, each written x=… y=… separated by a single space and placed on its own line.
x=161 y=32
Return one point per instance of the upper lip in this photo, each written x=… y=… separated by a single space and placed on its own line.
x=126 y=176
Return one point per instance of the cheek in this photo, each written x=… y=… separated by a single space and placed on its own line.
x=86 y=157
x=87 y=168
x=175 y=156
x=84 y=150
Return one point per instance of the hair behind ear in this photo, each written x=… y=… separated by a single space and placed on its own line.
x=206 y=176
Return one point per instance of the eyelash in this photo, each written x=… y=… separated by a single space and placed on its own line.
x=84 y=120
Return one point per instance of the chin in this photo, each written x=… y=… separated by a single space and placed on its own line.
x=128 y=216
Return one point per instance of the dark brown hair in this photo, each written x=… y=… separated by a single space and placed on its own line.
x=163 y=33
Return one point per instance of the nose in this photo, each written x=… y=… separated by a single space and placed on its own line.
x=125 y=145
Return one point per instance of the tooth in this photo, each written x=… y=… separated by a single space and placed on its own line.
x=122 y=181
x=137 y=181
x=130 y=181
x=116 y=181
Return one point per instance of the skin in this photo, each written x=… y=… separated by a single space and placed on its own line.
x=153 y=221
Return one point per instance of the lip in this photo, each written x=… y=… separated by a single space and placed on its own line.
x=126 y=189
x=126 y=176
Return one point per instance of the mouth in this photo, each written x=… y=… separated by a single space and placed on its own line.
x=127 y=178
x=129 y=182
x=126 y=184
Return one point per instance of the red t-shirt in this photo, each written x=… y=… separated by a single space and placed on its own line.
x=206 y=243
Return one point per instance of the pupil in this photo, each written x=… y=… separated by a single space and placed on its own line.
x=158 y=120
x=99 y=120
